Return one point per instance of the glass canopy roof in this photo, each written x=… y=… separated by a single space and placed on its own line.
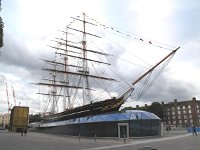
x=119 y=116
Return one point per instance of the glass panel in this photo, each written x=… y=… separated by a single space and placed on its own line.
x=111 y=129
x=122 y=117
x=123 y=131
x=146 y=128
x=135 y=128
x=115 y=116
x=145 y=116
x=102 y=117
x=155 y=127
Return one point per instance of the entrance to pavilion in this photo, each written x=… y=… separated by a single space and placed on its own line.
x=123 y=130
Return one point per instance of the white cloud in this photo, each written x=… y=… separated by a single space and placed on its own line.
x=39 y=18
x=152 y=18
x=32 y=23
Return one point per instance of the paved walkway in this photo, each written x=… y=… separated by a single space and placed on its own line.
x=174 y=140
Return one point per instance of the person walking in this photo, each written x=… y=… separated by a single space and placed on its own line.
x=21 y=130
x=194 y=129
x=25 y=131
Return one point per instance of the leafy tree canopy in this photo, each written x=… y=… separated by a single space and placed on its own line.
x=35 y=118
x=1 y=29
x=155 y=108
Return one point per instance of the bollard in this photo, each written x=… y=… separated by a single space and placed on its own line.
x=124 y=139
x=79 y=137
x=95 y=137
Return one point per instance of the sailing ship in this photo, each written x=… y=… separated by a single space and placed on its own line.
x=69 y=75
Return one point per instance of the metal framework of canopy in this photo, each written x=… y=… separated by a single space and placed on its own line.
x=128 y=115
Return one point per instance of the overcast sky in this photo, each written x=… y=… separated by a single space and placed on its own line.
x=28 y=25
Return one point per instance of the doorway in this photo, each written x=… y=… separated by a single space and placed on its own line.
x=123 y=130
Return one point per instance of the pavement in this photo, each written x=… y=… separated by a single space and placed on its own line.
x=173 y=140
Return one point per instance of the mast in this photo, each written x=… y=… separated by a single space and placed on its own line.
x=85 y=80
x=7 y=98
x=54 y=92
x=65 y=90
x=146 y=73
x=72 y=66
x=151 y=69
x=71 y=72
x=14 y=96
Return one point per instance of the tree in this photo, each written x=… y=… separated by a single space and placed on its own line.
x=131 y=108
x=1 y=29
x=35 y=118
x=1 y=33
x=156 y=108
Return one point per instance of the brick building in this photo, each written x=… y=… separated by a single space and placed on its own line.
x=183 y=113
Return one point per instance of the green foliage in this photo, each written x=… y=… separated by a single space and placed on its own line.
x=1 y=29
x=131 y=108
x=35 y=118
x=155 y=108
x=1 y=33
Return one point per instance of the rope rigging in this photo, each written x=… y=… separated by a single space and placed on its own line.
x=81 y=71
x=149 y=83
x=131 y=36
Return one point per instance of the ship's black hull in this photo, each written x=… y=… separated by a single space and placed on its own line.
x=106 y=106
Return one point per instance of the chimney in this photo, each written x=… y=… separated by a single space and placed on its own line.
x=162 y=103
x=175 y=100
x=137 y=106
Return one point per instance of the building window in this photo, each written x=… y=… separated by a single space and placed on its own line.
x=178 y=112
x=174 y=117
x=189 y=107
x=180 y=121
x=184 y=112
x=185 y=117
x=179 y=116
x=198 y=110
x=193 y=107
x=189 y=111
x=178 y=108
x=174 y=122
x=191 y=121
x=173 y=112
x=183 y=107
x=197 y=106
x=172 y=108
